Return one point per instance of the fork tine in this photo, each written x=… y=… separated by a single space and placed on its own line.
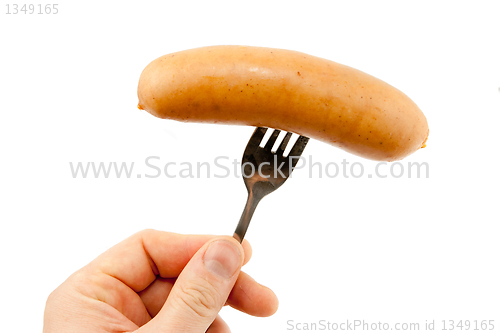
x=299 y=146
x=270 y=143
x=282 y=147
x=257 y=137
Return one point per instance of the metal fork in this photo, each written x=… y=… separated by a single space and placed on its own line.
x=264 y=171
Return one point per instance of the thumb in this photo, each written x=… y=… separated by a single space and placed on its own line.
x=201 y=289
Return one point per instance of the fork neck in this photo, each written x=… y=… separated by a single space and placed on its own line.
x=253 y=200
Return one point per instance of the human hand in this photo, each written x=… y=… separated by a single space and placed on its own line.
x=160 y=282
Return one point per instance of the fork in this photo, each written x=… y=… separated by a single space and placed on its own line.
x=264 y=170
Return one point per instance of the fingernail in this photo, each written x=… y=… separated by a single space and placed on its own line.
x=222 y=258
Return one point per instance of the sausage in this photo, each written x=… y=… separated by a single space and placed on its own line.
x=287 y=90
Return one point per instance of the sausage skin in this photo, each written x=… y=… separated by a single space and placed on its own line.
x=287 y=90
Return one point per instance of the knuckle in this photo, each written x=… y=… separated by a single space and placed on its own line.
x=140 y=236
x=145 y=232
x=201 y=297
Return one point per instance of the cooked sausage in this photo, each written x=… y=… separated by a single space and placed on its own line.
x=287 y=90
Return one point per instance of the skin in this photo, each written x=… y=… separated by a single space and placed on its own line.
x=157 y=281
x=287 y=90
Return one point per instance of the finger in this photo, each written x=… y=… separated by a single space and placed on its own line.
x=247 y=296
x=252 y=298
x=247 y=249
x=201 y=289
x=218 y=326
x=140 y=258
x=155 y=295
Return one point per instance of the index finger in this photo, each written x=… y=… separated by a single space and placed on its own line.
x=137 y=260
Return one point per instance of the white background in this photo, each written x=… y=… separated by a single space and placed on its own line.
x=336 y=249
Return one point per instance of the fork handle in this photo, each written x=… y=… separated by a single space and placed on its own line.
x=246 y=216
